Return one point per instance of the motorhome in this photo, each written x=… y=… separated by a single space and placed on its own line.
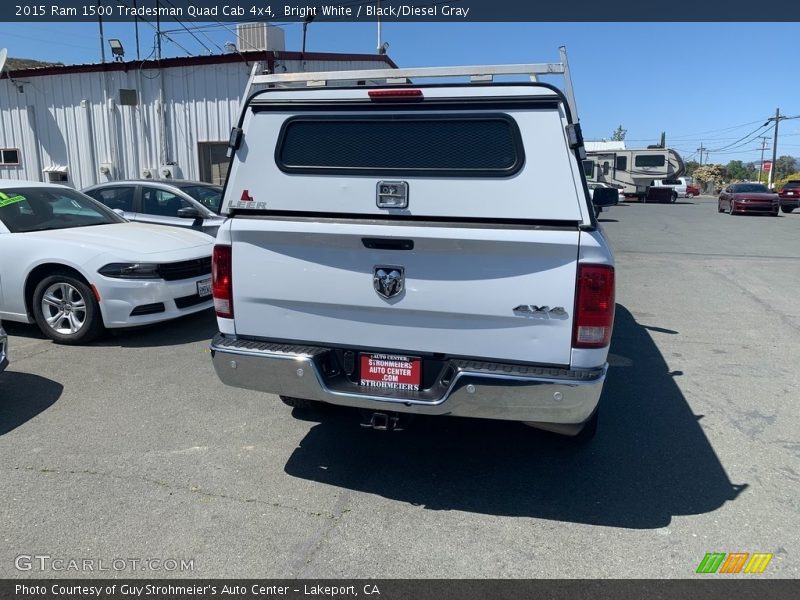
x=633 y=170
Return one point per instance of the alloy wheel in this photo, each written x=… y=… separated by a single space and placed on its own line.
x=64 y=308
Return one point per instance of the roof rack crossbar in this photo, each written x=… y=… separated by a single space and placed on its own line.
x=476 y=74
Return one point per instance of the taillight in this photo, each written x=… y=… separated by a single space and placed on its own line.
x=594 y=306
x=222 y=281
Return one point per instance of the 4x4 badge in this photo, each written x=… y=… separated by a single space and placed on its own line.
x=388 y=281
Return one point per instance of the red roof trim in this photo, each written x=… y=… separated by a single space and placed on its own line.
x=189 y=61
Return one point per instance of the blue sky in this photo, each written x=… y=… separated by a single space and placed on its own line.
x=700 y=82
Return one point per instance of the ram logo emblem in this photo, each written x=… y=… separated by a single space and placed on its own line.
x=388 y=281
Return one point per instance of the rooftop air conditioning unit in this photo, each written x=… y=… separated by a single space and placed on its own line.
x=259 y=36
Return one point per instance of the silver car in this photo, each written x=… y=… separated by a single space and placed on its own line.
x=3 y=349
x=179 y=203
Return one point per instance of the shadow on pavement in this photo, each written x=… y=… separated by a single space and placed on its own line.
x=191 y=328
x=184 y=330
x=23 y=396
x=23 y=330
x=649 y=462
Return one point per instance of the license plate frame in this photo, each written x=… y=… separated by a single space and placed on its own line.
x=390 y=372
x=204 y=288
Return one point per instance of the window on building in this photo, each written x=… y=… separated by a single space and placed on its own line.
x=214 y=161
x=622 y=163
x=650 y=160
x=9 y=156
x=128 y=97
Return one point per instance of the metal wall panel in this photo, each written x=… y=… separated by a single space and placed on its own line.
x=75 y=120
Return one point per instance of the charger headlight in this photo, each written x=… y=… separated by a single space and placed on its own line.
x=131 y=271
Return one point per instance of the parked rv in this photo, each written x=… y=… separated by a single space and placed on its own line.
x=633 y=170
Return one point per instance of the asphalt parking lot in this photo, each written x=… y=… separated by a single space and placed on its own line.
x=132 y=448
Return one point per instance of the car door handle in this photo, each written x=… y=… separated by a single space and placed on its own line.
x=387 y=244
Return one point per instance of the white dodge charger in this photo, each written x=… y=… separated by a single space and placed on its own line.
x=74 y=266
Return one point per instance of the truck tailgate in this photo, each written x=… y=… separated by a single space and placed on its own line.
x=311 y=280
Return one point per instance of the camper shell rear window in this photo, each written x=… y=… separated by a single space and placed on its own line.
x=484 y=145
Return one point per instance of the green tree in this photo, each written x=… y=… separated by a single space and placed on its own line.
x=710 y=176
x=619 y=134
x=691 y=167
x=736 y=171
x=783 y=166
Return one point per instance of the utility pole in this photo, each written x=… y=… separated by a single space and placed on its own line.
x=700 y=150
x=102 y=37
x=777 y=118
x=774 y=147
x=136 y=29
x=378 y=47
x=761 y=165
x=158 y=33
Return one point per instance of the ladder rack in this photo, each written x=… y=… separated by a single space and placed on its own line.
x=476 y=74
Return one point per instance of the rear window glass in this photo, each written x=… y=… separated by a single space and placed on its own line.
x=459 y=146
x=649 y=160
x=749 y=187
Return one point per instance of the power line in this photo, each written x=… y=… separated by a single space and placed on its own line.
x=199 y=41
x=758 y=130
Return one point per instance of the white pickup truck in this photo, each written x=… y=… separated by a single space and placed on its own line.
x=415 y=248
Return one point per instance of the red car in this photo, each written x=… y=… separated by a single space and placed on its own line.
x=790 y=195
x=744 y=198
x=692 y=191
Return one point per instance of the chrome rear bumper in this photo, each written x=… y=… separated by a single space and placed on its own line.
x=3 y=350
x=472 y=389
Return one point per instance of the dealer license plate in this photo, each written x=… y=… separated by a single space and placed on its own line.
x=391 y=372
x=204 y=288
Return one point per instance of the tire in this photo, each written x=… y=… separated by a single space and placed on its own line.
x=730 y=210
x=690 y=195
x=674 y=198
x=787 y=209
x=66 y=310
x=298 y=403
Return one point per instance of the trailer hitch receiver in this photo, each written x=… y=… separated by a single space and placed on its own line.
x=382 y=421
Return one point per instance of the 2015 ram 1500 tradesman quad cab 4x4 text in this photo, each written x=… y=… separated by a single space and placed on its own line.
x=426 y=249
